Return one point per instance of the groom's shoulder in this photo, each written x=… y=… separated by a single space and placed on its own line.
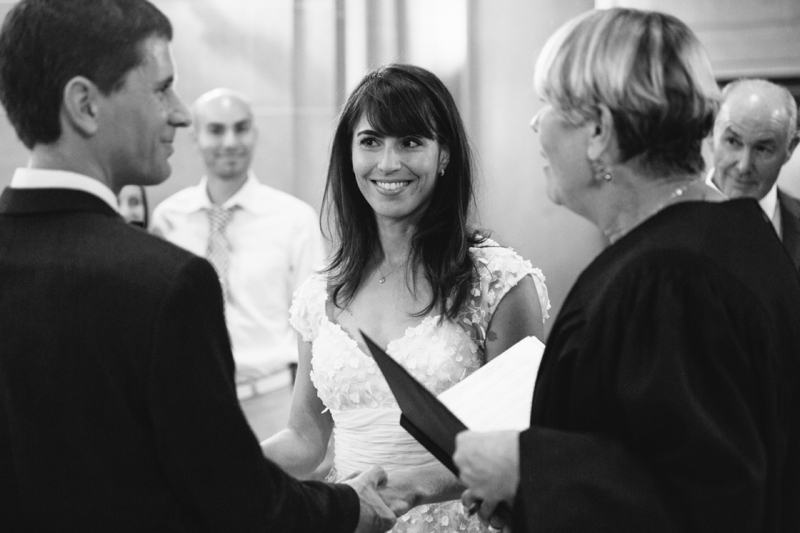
x=136 y=257
x=155 y=250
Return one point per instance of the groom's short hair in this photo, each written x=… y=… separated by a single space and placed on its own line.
x=46 y=43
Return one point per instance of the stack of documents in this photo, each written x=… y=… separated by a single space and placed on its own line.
x=498 y=395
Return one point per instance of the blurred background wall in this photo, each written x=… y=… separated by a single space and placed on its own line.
x=298 y=59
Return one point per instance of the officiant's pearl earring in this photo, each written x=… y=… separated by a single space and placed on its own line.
x=441 y=171
x=600 y=171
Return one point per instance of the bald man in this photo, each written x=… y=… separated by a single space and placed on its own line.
x=263 y=243
x=755 y=134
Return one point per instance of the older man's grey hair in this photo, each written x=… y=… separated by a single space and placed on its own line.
x=790 y=104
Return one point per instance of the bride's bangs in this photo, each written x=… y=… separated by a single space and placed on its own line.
x=400 y=110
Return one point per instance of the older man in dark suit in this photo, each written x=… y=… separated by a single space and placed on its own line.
x=790 y=225
x=755 y=134
x=118 y=410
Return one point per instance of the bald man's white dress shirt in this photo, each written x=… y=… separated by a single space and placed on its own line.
x=275 y=242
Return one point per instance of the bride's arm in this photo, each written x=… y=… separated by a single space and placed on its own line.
x=518 y=315
x=301 y=447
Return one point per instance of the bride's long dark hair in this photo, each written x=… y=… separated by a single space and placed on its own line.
x=403 y=100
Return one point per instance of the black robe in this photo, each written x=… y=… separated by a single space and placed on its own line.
x=667 y=398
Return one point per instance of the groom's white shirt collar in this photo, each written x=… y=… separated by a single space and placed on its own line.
x=37 y=178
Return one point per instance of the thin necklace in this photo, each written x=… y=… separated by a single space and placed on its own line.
x=677 y=193
x=383 y=277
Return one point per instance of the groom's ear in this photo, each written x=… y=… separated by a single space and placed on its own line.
x=80 y=106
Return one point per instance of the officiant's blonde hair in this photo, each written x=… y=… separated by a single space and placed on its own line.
x=648 y=69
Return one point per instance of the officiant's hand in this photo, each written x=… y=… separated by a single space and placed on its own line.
x=488 y=464
x=374 y=516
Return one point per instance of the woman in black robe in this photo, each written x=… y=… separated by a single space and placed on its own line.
x=667 y=398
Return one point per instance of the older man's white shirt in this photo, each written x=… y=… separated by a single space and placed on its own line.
x=769 y=203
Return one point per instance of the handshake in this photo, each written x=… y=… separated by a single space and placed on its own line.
x=379 y=508
x=489 y=469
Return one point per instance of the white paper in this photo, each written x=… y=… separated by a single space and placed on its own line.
x=498 y=395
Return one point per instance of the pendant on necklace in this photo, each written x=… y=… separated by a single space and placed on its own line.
x=382 y=279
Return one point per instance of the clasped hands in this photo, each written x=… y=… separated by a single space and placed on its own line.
x=381 y=501
x=488 y=463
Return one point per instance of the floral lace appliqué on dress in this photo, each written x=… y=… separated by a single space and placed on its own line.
x=365 y=414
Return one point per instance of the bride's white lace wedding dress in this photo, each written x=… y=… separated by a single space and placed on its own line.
x=365 y=414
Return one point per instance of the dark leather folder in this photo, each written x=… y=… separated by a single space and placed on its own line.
x=423 y=415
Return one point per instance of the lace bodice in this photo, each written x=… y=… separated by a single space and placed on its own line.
x=439 y=353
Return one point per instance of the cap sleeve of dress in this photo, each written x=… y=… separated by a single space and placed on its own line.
x=501 y=268
x=308 y=306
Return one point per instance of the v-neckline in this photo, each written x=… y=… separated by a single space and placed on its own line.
x=393 y=342
x=362 y=348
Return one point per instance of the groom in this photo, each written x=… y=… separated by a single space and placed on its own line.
x=118 y=410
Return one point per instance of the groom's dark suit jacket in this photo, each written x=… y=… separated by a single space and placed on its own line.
x=790 y=225
x=118 y=410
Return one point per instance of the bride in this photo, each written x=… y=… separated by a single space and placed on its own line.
x=408 y=271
